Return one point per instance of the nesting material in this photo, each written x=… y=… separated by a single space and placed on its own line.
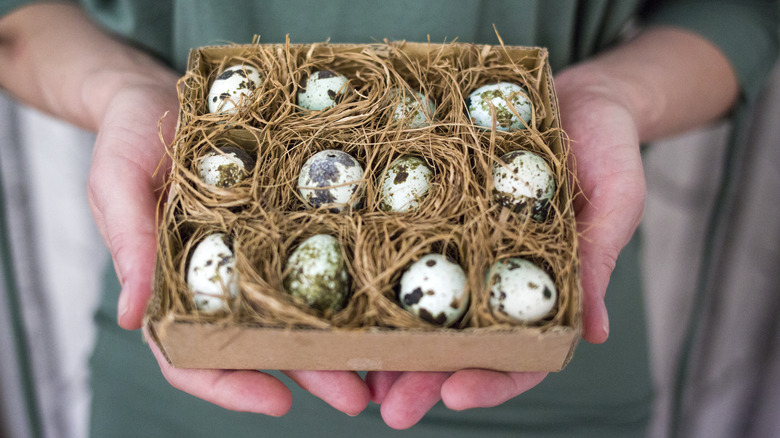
x=457 y=216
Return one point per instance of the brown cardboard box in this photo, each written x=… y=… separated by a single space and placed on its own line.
x=194 y=342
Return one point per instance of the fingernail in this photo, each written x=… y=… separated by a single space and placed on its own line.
x=604 y=320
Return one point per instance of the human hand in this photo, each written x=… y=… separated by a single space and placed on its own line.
x=405 y=397
x=605 y=145
x=610 y=187
x=125 y=183
x=662 y=82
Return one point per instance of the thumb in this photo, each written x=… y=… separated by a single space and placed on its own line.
x=606 y=221
x=123 y=191
x=123 y=204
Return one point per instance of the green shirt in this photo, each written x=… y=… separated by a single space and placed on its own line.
x=746 y=31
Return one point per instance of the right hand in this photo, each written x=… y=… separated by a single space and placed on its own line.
x=125 y=184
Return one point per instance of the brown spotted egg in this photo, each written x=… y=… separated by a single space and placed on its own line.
x=405 y=185
x=413 y=108
x=317 y=274
x=232 y=87
x=481 y=100
x=212 y=280
x=523 y=182
x=434 y=289
x=323 y=89
x=226 y=167
x=331 y=179
x=520 y=290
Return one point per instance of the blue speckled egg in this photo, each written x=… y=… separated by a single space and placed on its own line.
x=434 y=289
x=412 y=108
x=480 y=101
x=212 y=279
x=323 y=89
x=520 y=290
x=232 y=87
x=331 y=179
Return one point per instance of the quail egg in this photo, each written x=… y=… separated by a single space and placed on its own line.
x=413 y=108
x=520 y=290
x=211 y=275
x=523 y=182
x=434 y=289
x=496 y=95
x=318 y=274
x=406 y=183
x=233 y=85
x=226 y=167
x=323 y=89
x=331 y=179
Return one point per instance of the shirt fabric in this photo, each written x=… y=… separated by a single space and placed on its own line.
x=744 y=30
x=605 y=391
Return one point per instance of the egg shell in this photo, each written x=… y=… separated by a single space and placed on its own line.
x=481 y=99
x=405 y=185
x=412 y=108
x=225 y=168
x=524 y=182
x=318 y=274
x=234 y=85
x=520 y=290
x=331 y=179
x=212 y=279
x=323 y=89
x=434 y=289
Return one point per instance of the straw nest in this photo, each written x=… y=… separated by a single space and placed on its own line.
x=266 y=217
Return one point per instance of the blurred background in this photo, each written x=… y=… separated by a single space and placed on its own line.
x=712 y=283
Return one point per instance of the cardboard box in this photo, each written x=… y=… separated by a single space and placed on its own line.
x=192 y=341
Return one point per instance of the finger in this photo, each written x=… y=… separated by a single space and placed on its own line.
x=469 y=389
x=344 y=390
x=123 y=191
x=412 y=395
x=126 y=207
x=606 y=222
x=244 y=391
x=608 y=211
x=597 y=264
x=380 y=382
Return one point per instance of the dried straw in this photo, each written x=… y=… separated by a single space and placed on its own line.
x=266 y=218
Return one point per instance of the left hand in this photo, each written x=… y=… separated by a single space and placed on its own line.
x=605 y=143
x=407 y=396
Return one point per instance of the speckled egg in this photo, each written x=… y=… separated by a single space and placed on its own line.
x=211 y=275
x=323 y=89
x=434 y=289
x=233 y=85
x=523 y=182
x=226 y=167
x=331 y=179
x=520 y=290
x=412 y=108
x=317 y=274
x=406 y=183
x=481 y=99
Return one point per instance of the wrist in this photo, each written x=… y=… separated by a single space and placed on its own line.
x=668 y=79
x=72 y=78
x=583 y=84
x=100 y=86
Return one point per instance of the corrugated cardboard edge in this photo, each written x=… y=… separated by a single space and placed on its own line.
x=214 y=345
x=556 y=116
x=244 y=347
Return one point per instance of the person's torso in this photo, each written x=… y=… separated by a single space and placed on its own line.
x=570 y=29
